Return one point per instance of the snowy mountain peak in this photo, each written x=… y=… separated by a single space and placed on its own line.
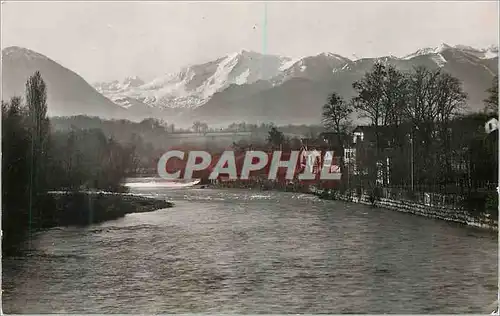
x=194 y=85
x=133 y=81
x=250 y=54
x=116 y=86
x=486 y=53
x=442 y=47
x=131 y=78
x=490 y=52
x=243 y=52
x=428 y=50
x=492 y=48
x=332 y=56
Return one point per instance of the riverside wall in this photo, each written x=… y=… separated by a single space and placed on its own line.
x=431 y=209
x=447 y=213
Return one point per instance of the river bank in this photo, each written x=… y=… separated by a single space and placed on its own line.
x=437 y=211
x=59 y=208
x=246 y=251
x=85 y=208
x=442 y=212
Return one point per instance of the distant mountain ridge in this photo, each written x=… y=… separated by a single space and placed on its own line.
x=242 y=86
x=485 y=53
x=223 y=89
x=194 y=85
x=297 y=95
x=67 y=93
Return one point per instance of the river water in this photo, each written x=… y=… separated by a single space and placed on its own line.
x=238 y=251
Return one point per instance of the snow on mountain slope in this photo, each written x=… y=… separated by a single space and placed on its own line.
x=485 y=53
x=117 y=86
x=289 y=63
x=299 y=92
x=313 y=67
x=436 y=53
x=428 y=51
x=195 y=85
x=240 y=79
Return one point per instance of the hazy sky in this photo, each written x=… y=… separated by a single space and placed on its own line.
x=111 y=40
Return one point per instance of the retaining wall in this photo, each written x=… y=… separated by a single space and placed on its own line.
x=458 y=215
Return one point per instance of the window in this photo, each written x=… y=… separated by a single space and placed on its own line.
x=358 y=136
x=349 y=153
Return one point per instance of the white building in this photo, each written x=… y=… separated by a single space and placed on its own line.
x=491 y=125
x=357 y=135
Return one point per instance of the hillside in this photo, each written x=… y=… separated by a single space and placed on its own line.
x=243 y=86
x=68 y=93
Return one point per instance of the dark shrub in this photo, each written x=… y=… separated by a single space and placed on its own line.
x=476 y=203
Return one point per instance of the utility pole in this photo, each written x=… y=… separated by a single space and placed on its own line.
x=411 y=157
x=348 y=177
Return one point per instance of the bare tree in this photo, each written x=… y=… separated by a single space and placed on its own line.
x=336 y=118
x=275 y=137
x=203 y=127
x=381 y=98
x=196 y=126
x=492 y=100
x=368 y=101
x=336 y=114
x=435 y=98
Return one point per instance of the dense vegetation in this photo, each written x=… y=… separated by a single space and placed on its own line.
x=419 y=137
x=36 y=160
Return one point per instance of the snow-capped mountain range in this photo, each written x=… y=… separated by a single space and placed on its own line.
x=195 y=85
x=485 y=53
x=243 y=86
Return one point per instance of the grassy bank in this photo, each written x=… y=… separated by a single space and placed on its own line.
x=74 y=209
x=85 y=208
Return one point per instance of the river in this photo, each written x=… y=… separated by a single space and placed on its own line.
x=238 y=251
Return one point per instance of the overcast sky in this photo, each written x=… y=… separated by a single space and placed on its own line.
x=105 y=41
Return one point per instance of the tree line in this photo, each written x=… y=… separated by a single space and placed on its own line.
x=152 y=137
x=36 y=159
x=417 y=119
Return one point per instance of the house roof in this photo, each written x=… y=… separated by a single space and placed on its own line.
x=334 y=135
x=372 y=128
